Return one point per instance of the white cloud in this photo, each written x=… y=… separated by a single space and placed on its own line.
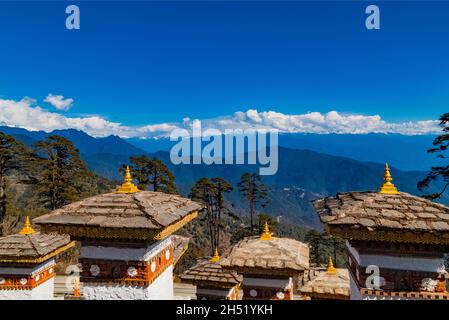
x=59 y=102
x=316 y=122
x=26 y=114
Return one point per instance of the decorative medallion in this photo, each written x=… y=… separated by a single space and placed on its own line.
x=23 y=281
x=132 y=272
x=153 y=266
x=280 y=295
x=2 y=280
x=94 y=270
x=37 y=278
x=253 y=293
x=167 y=254
x=50 y=271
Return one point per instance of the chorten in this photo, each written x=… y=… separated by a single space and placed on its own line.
x=212 y=281
x=27 y=263
x=127 y=251
x=328 y=284
x=395 y=242
x=271 y=266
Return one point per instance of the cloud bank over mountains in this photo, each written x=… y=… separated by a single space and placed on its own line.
x=27 y=114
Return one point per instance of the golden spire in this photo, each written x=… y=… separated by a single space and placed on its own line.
x=388 y=187
x=330 y=268
x=216 y=257
x=127 y=186
x=27 y=229
x=266 y=235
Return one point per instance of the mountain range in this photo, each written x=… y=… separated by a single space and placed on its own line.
x=303 y=174
x=404 y=152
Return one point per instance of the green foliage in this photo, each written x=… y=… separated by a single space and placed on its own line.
x=323 y=246
x=254 y=191
x=151 y=172
x=62 y=177
x=13 y=155
x=440 y=143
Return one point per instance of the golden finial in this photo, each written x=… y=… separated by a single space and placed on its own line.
x=266 y=235
x=216 y=257
x=27 y=229
x=388 y=187
x=127 y=186
x=330 y=268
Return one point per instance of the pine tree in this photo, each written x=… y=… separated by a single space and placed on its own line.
x=220 y=187
x=210 y=192
x=62 y=176
x=13 y=155
x=441 y=144
x=161 y=179
x=254 y=191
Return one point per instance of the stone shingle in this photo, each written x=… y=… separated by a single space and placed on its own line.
x=440 y=225
x=425 y=215
x=390 y=224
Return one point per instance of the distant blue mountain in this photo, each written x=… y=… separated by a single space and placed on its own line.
x=81 y=140
x=403 y=152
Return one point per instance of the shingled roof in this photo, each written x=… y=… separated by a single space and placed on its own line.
x=32 y=248
x=357 y=214
x=206 y=273
x=142 y=215
x=320 y=283
x=275 y=256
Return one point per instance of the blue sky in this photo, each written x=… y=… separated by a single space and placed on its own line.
x=140 y=63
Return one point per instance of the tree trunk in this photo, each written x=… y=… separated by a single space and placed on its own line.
x=251 y=203
x=211 y=229
x=251 y=213
x=218 y=227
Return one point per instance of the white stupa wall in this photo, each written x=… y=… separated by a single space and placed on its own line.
x=160 y=289
x=396 y=261
x=269 y=283
x=43 y=291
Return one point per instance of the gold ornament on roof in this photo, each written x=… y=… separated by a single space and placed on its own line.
x=27 y=229
x=388 y=187
x=216 y=257
x=330 y=268
x=127 y=186
x=266 y=234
